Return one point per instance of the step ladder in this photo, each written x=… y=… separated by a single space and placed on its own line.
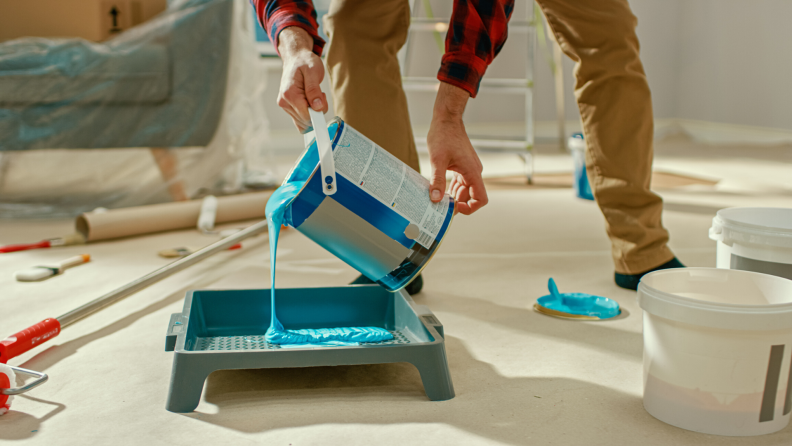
x=526 y=27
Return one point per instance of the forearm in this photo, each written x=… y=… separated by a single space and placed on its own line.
x=476 y=34
x=450 y=103
x=293 y=40
x=276 y=16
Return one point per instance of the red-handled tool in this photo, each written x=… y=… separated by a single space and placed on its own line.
x=73 y=239
x=47 y=329
x=28 y=338
x=25 y=246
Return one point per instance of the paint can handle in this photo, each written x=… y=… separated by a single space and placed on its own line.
x=323 y=144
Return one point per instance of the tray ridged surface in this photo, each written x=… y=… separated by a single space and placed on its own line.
x=257 y=342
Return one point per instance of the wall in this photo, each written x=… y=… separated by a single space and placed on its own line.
x=735 y=63
x=718 y=61
x=725 y=62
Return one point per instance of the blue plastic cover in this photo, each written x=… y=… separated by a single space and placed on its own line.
x=580 y=304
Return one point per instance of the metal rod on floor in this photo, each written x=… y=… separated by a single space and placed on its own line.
x=155 y=276
x=47 y=329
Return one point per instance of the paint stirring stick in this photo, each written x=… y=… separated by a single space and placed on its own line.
x=42 y=272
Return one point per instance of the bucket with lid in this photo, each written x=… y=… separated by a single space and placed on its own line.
x=754 y=239
x=366 y=206
x=717 y=350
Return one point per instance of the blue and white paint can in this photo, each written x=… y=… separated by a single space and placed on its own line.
x=366 y=206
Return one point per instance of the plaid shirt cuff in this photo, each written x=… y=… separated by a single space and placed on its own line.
x=283 y=19
x=462 y=70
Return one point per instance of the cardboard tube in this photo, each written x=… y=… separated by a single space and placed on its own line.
x=140 y=220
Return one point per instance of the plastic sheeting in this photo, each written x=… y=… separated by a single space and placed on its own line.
x=77 y=118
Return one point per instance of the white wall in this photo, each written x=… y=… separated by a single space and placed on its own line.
x=735 y=62
x=721 y=61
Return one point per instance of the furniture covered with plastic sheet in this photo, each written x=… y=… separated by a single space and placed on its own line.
x=166 y=83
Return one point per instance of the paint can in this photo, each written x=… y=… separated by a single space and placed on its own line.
x=577 y=146
x=366 y=206
x=754 y=239
x=717 y=350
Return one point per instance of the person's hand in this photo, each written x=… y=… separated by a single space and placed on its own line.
x=302 y=74
x=450 y=149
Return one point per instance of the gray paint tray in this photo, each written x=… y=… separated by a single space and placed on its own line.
x=224 y=329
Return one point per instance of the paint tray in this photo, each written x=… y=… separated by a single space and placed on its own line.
x=224 y=329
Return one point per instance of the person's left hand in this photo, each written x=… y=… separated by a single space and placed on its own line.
x=450 y=149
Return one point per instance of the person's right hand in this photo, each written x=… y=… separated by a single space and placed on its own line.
x=302 y=74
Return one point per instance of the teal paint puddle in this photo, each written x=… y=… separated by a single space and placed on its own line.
x=579 y=304
x=276 y=333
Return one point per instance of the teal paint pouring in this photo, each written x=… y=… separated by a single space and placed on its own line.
x=276 y=333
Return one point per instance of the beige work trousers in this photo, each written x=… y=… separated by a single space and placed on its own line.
x=611 y=90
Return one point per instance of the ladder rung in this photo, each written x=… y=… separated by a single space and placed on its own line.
x=503 y=85
x=499 y=144
x=484 y=144
x=427 y=24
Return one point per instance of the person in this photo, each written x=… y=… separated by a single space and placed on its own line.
x=611 y=90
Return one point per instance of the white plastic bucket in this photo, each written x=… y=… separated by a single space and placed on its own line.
x=717 y=350
x=754 y=239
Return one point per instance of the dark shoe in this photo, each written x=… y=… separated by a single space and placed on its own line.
x=413 y=288
x=630 y=281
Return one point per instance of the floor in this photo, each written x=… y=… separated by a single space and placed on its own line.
x=520 y=377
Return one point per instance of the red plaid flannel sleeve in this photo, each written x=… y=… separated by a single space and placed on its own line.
x=275 y=15
x=476 y=35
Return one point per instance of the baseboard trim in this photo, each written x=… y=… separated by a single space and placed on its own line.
x=700 y=131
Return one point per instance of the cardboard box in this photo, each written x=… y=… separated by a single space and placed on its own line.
x=94 y=20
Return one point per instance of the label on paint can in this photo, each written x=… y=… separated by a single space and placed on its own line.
x=391 y=182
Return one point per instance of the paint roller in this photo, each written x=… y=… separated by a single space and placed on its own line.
x=47 y=329
x=103 y=224
x=7 y=378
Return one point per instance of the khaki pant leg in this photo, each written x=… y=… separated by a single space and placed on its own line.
x=616 y=110
x=364 y=37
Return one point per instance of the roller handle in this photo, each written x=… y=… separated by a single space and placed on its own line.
x=28 y=338
x=25 y=246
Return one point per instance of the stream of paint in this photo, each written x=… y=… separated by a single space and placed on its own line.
x=276 y=334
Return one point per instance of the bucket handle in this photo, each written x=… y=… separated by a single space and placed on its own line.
x=323 y=144
x=716 y=231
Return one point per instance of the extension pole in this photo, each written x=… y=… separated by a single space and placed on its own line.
x=47 y=329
